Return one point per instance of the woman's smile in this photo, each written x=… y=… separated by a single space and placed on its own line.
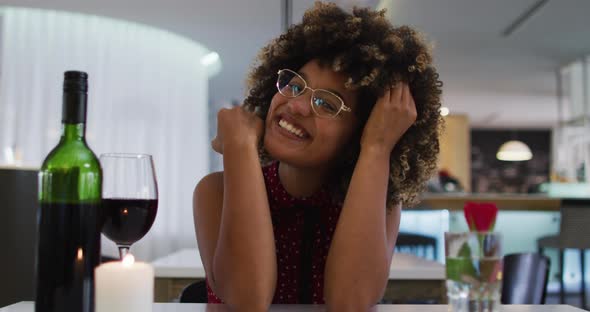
x=290 y=128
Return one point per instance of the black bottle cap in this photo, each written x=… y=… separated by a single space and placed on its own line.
x=76 y=81
x=74 y=97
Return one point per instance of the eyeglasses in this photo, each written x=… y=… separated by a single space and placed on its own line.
x=324 y=103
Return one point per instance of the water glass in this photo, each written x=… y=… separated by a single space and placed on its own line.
x=474 y=271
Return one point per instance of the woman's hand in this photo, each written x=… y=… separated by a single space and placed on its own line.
x=392 y=115
x=237 y=126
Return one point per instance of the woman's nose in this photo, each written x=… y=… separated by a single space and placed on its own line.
x=300 y=105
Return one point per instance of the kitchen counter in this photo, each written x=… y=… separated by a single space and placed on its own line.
x=521 y=202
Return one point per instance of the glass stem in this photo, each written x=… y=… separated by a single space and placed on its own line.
x=123 y=251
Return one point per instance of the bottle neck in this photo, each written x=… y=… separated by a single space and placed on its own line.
x=73 y=115
x=73 y=132
x=74 y=107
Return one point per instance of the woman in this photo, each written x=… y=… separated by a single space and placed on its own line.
x=340 y=128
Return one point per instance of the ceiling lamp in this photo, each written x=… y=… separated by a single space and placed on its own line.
x=514 y=151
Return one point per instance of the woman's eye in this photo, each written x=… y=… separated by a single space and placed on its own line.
x=322 y=103
x=295 y=88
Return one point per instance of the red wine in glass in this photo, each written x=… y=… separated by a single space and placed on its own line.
x=125 y=221
x=129 y=198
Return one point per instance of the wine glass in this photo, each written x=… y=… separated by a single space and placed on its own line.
x=129 y=198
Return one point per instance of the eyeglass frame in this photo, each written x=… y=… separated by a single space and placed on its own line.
x=343 y=106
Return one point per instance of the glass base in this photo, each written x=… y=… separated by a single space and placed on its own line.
x=463 y=297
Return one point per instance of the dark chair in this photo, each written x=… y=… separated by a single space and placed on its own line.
x=416 y=244
x=574 y=233
x=194 y=293
x=524 y=279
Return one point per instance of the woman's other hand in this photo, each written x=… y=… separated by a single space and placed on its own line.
x=392 y=115
x=237 y=126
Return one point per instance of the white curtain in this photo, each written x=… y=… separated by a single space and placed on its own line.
x=147 y=94
x=571 y=142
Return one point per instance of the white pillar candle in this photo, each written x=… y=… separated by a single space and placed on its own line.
x=126 y=286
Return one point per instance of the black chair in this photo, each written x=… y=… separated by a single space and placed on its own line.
x=194 y=293
x=416 y=244
x=524 y=280
x=574 y=233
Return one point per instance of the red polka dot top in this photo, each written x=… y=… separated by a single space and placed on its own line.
x=303 y=230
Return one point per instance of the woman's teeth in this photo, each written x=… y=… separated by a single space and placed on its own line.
x=289 y=127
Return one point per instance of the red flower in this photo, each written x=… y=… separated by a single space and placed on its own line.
x=480 y=217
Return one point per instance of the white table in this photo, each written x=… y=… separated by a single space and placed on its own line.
x=186 y=263
x=195 y=307
x=410 y=277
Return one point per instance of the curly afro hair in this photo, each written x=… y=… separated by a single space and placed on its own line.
x=373 y=55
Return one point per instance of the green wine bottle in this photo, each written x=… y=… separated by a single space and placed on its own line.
x=69 y=218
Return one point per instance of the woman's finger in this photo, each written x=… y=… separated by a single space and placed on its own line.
x=397 y=92
x=408 y=98
x=411 y=105
x=404 y=96
x=216 y=145
x=386 y=95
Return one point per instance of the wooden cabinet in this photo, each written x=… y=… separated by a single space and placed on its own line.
x=455 y=149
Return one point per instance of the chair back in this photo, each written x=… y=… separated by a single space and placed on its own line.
x=416 y=244
x=574 y=231
x=194 y=293
x=524 y=279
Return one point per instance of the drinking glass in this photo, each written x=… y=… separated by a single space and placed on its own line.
x=129 y=198
x=474 y=271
